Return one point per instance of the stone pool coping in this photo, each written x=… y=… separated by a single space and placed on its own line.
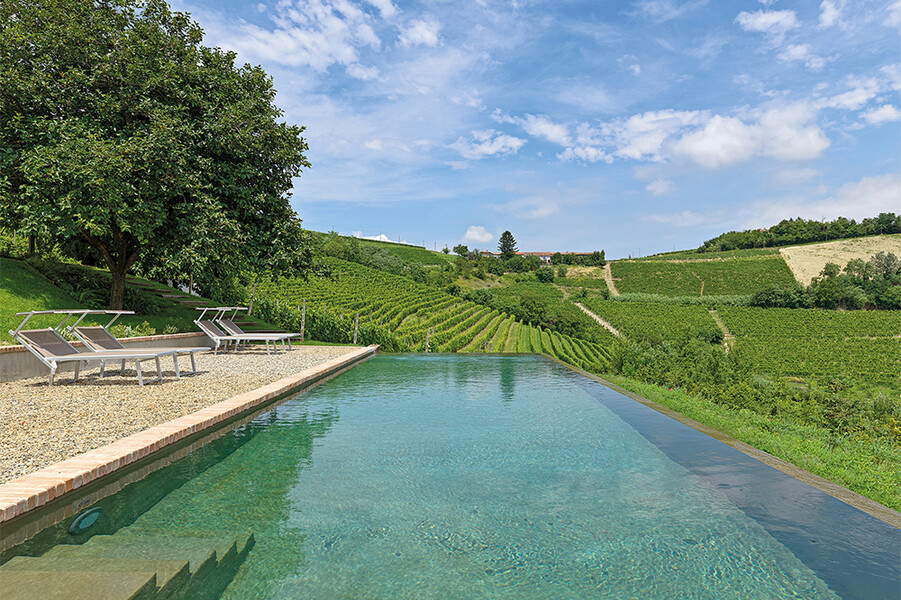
x=19 y=496
x=871 y=507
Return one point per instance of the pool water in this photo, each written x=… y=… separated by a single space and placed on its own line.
x=490 y=476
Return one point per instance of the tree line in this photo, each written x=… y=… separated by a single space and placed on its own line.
x=789 y=232
x=861 y=284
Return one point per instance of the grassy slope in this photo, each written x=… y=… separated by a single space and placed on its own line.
x=22 y=288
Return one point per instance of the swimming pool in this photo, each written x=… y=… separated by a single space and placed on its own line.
x=492 y=476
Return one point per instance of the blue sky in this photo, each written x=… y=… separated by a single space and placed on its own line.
x=631 y=127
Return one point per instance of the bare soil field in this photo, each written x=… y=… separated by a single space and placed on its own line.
x=806 y=262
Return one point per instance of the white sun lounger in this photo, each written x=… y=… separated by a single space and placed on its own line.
x=230 y=332
x=99 y=339
x=49 y=347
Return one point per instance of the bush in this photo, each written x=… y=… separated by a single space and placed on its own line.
x=545 y=275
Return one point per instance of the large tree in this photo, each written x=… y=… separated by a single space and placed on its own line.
x=117 y=126
x=507 y=245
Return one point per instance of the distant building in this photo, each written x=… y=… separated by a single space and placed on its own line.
x=544 y=256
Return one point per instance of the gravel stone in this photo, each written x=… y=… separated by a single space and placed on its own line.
x=41 y=425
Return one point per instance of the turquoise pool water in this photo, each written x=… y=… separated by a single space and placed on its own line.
x=488 y=476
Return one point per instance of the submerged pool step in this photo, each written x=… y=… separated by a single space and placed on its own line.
x=171 y=575
x=77 y=585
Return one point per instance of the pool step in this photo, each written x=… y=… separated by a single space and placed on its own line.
x=77 y=585
x=170 y=575
x=171 y=567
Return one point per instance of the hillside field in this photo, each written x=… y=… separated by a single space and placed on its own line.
x=705 y=277
x=806 y=262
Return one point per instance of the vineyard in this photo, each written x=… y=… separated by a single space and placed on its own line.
x=650 y=321
x=412 y=254
x=863 y=345
x=701 y=277
x=417 y=315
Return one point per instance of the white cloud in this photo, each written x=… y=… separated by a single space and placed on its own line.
x=666 y=10
x=894 y=15
x=421 y=32
x=801 y=52
x=641 y=137
x=884 y=114
x=661 y=187
x=362 y=73
x=830 y=13
x=476 y=234
x=386 y=7
x=723 y=141
x=538 y=126
x=857 y=200
x=774 y=22
x=893 y=73
x=788 y=133
x=316 y=33
x=585 y=153
x=487 y=143
x=861 y=92
x=784 y=133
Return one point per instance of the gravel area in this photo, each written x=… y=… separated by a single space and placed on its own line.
x=42 y=425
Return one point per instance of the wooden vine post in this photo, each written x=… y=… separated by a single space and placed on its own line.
x=303 y=319
x=356 y=328
x=428 y=337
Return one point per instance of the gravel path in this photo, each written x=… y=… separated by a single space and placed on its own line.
x=42 y=425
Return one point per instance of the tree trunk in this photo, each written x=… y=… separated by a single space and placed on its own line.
x=117 y=289
x=126 y=253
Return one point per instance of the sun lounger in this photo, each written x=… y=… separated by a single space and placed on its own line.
x=99 y=339
x=232 y=329
x=223 y=336
x=53 y=350
x=216 y=335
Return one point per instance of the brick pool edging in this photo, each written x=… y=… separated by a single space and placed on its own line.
x=34 y=490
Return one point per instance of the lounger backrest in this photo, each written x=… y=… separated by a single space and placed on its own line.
x=230 y=326
x=211 y=330
x=99 y=338
x=47 y=342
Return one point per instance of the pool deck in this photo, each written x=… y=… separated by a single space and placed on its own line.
x=36 y=489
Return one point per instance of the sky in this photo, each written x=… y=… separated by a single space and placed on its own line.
x=634 y=127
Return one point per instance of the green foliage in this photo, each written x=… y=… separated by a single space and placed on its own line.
x=506 y=246
x=545 y=275
x=657 y=322
x=408 y=311
x=815 y=343
x=89 y=287
x=711 y=301
x=327 y=327
x=701 y=278
x=121 y=130
x=790 y=232
x=710 y=373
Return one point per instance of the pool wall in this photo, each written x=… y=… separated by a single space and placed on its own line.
x=19 y=496
x=871 y=507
